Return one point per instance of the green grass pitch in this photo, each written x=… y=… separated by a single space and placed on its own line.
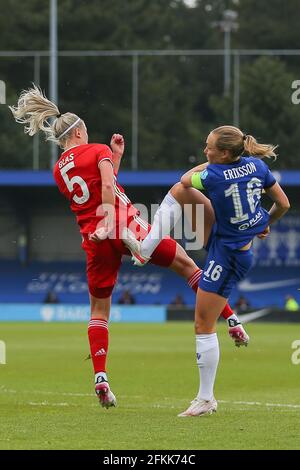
x=47 y=399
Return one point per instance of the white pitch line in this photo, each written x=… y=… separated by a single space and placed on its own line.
x=63 y=404
x=46 y=403
x=259 y=403
x=67 y=394
x=229 y=402
x=44 y=392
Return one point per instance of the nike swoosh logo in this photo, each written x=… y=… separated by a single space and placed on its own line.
x=249 y=286
x=247 y=317
x=206 y=280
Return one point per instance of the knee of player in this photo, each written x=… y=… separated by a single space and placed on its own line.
x=204 y=322
x=176 y=189
x=200 y=324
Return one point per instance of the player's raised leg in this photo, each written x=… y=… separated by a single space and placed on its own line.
x=99 y=339
x=169 y=212
x=170 y=254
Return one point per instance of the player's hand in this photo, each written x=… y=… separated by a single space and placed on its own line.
x=265 y=233
x=100 y=234
x=117 y=144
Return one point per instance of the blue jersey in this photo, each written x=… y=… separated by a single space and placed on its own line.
x=235 y=191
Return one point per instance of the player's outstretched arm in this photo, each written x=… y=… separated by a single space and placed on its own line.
x=186 y=179
x=117 y=144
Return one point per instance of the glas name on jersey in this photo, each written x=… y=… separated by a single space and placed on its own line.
x=65 y=160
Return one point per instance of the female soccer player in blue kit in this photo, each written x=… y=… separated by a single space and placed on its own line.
x=234 y=183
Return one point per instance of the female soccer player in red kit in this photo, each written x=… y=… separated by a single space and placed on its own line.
x=86 y=174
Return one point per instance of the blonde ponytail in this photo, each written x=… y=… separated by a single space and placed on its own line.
x=34 y=110
x=232 y=138
x=252 y=147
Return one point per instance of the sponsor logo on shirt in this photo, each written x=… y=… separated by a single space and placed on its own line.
x=251 y=222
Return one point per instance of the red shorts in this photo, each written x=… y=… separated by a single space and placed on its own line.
x=104 y=258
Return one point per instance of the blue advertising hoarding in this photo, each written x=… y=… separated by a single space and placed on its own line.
x=79 y=313
x=126 y=178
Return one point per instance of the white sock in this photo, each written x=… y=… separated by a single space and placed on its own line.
x=166 y=216
x=233 y=320
x=207 y=349
x=100 y=374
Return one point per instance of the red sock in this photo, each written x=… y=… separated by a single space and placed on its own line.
x=98 y=338
x=227 y=312
x=193 y=283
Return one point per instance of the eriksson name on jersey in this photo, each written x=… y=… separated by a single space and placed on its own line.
x=243 y=170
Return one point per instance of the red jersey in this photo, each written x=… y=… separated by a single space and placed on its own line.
x=78 y=178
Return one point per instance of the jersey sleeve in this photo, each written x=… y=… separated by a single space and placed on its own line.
x=104 y=153
x=269 y=178
x=198 y=180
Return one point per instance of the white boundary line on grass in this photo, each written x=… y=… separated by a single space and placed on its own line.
x=46 y=403
x=44 y=392
x=70 y=394
x=259 y=403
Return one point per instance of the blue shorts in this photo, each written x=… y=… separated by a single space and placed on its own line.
x=224 y=268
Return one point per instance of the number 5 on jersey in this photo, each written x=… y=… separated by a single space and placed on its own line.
x=70 y=183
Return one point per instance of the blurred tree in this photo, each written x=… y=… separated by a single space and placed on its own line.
x=267 y=111
x=24 y=25
x=180 y=97
x=273 y=25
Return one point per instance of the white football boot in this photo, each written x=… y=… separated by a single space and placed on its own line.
x=135 y=247
x=105 y=395
x=200 y=408
x=239 y=335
